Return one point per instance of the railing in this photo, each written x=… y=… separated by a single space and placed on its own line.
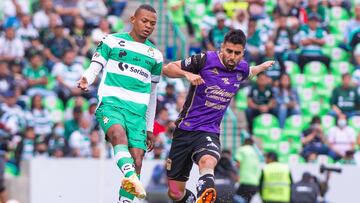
x=177 y=37
x=169 y=37
x=229 y=114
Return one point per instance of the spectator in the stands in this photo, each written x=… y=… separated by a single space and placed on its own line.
x=80 y=35
x=92 y=11
x=345 y=99
x=353 y=28
x=41 y=18
x=311 y=39
x=315 y=143
x=260 y=100
x=287 y=99
x=26 y=31
x=11 y=47
x=217 y=33
x=67 y=72
x=74 y=123
x=68 y=10
x=56 y=46
x=98 y=33
x=39 y=117
x=7 y=82
x=342 y=137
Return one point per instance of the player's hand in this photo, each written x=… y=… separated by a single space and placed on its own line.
x=194 y=79
x=268 y=64
x=150 y=141
x=83 y=84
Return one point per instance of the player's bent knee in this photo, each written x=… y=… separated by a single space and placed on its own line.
x=116 y=134
x=174 y=192
x=207 y=161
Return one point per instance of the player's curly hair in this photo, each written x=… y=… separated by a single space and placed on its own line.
x=235 y=37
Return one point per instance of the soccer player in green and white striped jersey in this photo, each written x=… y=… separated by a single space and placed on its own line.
x=127 y=95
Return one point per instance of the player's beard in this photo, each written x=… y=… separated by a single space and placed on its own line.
x=227 y=65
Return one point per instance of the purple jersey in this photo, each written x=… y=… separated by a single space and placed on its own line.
x=206 y=104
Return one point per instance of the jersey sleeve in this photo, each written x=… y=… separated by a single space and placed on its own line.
x=194 y=63
x=156 y=70
x=102 y=53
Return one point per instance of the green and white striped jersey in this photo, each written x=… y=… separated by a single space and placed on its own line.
x=129 y=67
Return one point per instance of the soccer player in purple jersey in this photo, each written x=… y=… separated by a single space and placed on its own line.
x=215 y=77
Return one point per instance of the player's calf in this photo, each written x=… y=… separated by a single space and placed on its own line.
x=205 y=187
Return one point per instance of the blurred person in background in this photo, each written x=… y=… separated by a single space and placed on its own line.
x=248 y=163
x=13 y=116
x=41 y=17
x=315 y=143
x=57 y=144
x=74 y=123
x=80 y=36
x=26 y=148
x=117 y=7
x=306 y=190
x=36 y=76
x=345 y=99
x=287 y=99
x=7 y=81
x=284 y=41
x=342 y=138
x=67 y=9
x=39 y=117
x=104 y=29
x=278 y=68
x=56 y=46
x=260 y=99
x=26 y=31
x=92 y=11
x=11 y=47
x=275 y=181
x=311 y=38
x=217 y=33
x=226 y=177
x=79 y=140
x=240 y=20
x=67 y=72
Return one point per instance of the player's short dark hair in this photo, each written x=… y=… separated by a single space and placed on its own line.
x=145 y=7
x=235 y=37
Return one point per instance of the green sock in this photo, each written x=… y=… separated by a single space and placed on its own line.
x=125 y=196
x=124 y=160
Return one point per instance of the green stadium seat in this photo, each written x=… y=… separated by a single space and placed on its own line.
x=292 y=68
x=338 y=13
x=241 y=99
x=263 y=125
x=333 y=40
x=55 y=107
x=314 y=72
x=338 y=26
x=271 y=139
x=269 y=6
x=354 y=122
x=340 y=67
x=338 y=54
x=327 y=122
x=298 y=79
x=293 y=127
x=312 y=108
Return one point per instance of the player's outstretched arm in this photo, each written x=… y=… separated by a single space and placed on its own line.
x=254 y=70
x=89 y=76
x=173 y=70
